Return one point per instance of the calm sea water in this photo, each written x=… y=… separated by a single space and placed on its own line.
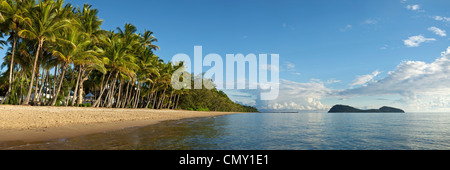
x=273 y=131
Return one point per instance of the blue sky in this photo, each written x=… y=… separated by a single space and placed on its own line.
x=337 y=51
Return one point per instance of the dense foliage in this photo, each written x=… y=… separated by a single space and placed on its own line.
x=59 y=55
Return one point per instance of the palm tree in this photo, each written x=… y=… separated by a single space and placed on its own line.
x=118 y=59
x=90 y=25
x=12 y=18
x=45 y=24
x=72 y=47
x=147 y=40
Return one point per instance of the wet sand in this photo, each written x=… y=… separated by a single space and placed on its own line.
x=28 y=123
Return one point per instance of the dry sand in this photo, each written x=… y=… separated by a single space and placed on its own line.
x=27 y=123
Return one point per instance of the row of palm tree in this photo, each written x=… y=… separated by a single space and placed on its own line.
x=58 y=53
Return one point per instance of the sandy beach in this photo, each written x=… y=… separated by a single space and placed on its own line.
x=27 y=123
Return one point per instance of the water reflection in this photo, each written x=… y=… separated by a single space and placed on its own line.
x=303 y=131
x=170 y=135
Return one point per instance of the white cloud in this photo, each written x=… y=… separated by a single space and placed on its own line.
x=293 y=96
x=422 y=86
x=360 y=80
x=416 y=85
x=332 y=81
x=413 y=7
x=346 y=28
x=370 y=22
x=438 y=31
x=290 y=66
x=403 y=1
x=269 y=67
x=415 y=41
x=441 y=18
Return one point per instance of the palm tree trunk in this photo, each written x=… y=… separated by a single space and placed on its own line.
x=37 y=80
x=118 y=96
x=30 y=88
x=126 y=96
x=111 y=96
x=149 y=98
x=44 y=77
x=36 y=87
x=174 y=100
x=11 y=69
x=103 y=88
x=21 y=83
x=154 y=100
x=59 y=85
x=150 y=95
x=162 y=100
x=54 y=81
x=136 y=98
x=170 y=99
x=178 y=99
x=74 y=98
x=81 y=89
x=129 y=98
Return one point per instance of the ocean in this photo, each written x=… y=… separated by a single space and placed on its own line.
x=273 y=131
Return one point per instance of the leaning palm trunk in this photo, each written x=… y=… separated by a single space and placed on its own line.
x=125 y=97
x=44 y=78
x=11 y=69
x=74 y=98
x=136 y=98
x=36 y=88
x=174 y=100
x=81 y=89
x=178 y=100
x=111 y=97
x=54 y=81
x=169 y=101
x=149 y=99
x=162 y=100
x=59 y=85
x=103 y=88
x=30 y=88
x=154 y=99
x=118 y=96
x=150 y=95
x=129 y=98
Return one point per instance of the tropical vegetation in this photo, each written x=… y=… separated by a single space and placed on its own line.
x=58 y=55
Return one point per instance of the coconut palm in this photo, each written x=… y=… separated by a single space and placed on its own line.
x=45 y=24
x=71 y=47
x=90 y=25
x=12 y=18
x=118 y=59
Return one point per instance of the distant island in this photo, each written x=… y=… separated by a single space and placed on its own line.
x=349 y=109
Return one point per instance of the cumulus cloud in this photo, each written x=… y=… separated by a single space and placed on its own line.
x=415 y=41
x=293 y=96
x=346 y=28
x=417 y=85
x=417 y=82
x=437 y=31
x=441 y=18
x=413 y=7
x=370 y=22
x=360 y=80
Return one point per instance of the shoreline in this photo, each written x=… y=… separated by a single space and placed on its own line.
x=42 y=123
